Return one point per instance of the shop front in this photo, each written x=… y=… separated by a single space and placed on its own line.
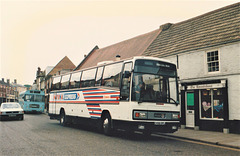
x=205 y=105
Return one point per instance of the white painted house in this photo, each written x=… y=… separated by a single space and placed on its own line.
x=206 y=50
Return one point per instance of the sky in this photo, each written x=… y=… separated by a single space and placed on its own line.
x=39 y=33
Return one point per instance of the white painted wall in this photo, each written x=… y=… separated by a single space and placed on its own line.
x=234 y=97
x=230 y=59
x=193 y=67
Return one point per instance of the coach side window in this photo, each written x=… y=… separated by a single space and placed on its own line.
x=126 y=77
x=65 y=81
x=56 y=83
x=111 y=75
x=75 y=80
x=99 y=76
x=88 y=78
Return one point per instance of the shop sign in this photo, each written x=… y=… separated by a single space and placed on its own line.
x=207 y=86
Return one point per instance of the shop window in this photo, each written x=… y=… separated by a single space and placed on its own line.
x=218 y=101
x=206 y=104
x=213 y=61
x=212 y=101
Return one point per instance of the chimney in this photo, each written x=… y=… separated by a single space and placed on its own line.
x=15 y=81
x=38 y=71
x=2 y=79
x=118 y=57
x=8 y=81
x=165 y=26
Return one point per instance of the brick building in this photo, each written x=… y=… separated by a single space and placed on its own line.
x=9 y=91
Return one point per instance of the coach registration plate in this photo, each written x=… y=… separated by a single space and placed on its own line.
x=160 y=115
x=159 y=123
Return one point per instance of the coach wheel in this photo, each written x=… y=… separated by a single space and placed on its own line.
x=106 y=125
x=62 y=118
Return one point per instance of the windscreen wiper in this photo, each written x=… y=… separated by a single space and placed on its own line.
x=175 y=102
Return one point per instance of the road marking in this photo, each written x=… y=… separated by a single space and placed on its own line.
x=196 y=142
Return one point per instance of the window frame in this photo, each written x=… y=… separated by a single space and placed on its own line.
x=207 y=62
x=59 y=82
x=212 y=105
x=67 y=86
x=100 y=76
x=120 y=75
x=78 y=86
x=122 y=84
x=90 y=80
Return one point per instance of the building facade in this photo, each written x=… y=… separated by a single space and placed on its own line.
x=3 y=91
x=9 y=91
x=210 y=85
x=206 y=50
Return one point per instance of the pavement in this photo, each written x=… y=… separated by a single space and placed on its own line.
x=217 y=138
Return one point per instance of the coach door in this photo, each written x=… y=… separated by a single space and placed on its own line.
x=56 y=86
x=190 y=109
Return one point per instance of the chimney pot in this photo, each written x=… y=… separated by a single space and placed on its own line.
x=118 y=57
x=165 y=26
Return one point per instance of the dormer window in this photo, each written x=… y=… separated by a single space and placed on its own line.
x=213 y=61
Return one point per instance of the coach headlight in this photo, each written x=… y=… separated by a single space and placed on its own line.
x=175 y=116
x=140 y=115
x=2 y=113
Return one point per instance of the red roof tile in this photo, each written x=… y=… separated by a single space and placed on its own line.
x=65 y=63
x=128 y=48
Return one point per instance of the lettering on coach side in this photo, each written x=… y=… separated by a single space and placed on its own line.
x=58 y=97
x=71 y=96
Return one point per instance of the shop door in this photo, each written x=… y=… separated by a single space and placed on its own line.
x=190 y=109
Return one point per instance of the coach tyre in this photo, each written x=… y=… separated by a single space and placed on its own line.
x=106 y=124
x=62 y=118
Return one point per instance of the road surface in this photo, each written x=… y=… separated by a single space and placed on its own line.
x=38 y=135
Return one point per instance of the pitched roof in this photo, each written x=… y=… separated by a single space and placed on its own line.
x=86 y=57
x=128 y=48
x=65 y=63
x=208 y=30
x=211 y=29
